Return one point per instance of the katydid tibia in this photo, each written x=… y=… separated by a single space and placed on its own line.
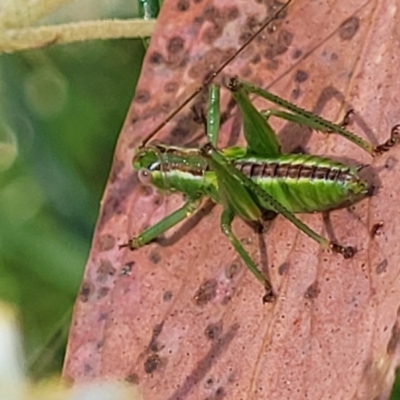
x=248 y=181
x=255 y=180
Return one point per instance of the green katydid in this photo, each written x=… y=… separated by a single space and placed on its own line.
x=250 y=181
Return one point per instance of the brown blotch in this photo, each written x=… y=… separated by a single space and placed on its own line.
x=167 y=296
x=86 y=290
x=183 y=5
x=127 y=268
x=211 y=13
x=296 y=93
x=154 y=257
x=142 y=96
x=280 y=46
x=301 y=76
x=212 y=33
x=152 y=362
x=132 y=378
x=312 y=291
x=153 y=345
x=220 y=393
x=349 y=28
x=232 y=270
x=382 y=266
x=102 y=292
x=156 y=58
x=394 y=339
x=376 y=229
x=106 y=242
x=390 y=163
x=175 y=45
x=297 y=54
x=232 y=13
x=117 y=167
x=206 y=292
x=213 y=331
x=171 y=87
x=105 y=270
x=283 y=268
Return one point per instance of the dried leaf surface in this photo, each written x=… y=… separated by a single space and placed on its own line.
x=185 y=319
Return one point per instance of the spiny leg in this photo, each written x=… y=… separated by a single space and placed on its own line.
x=269 y=202
x=165 y=224
x=226 y=227
x=213 y=115
x=313 y=121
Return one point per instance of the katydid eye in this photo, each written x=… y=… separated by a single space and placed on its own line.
x=145 y=176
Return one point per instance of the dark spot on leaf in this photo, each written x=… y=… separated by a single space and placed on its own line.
x=104 y=271
x=99 y=344
x=213 y=331
x=390 y=163
x=153 y=345
x=156 y=58
x=312 y=291
x=175 y=45
x=349 y=28
x=167 y=295
x=106 y=242
x=296 y=93
x=142 y=96
x=87 y=369
x=183 y=5
x=283 y=268
x=334 y=56
x=152 y=362
x=102 y=292
x=212 y=33
x=171 y=87
x=394 y=339
x=382 y=266
x=154 y=257
x=211 y=13
x=256 y=59
x=197 y=1
x=297 y=54
x=219 y=393
x=232 y=270
x=132 y=378
x=301 y=76
x=232 y=13
x=103 y=316
x=127 y=268
x=85 y=292
x=206 y=292
x=376 y=229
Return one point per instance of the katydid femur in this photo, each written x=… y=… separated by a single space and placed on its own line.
x=250 y=181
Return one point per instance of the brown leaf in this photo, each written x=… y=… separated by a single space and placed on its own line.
x=185 y=320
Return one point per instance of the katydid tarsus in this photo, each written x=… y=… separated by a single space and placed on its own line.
x=250 y=181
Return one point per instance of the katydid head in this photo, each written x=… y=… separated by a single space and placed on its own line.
x=147 y=160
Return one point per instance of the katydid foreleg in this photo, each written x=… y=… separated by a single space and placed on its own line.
x=154 y=231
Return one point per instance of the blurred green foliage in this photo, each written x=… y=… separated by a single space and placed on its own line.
x=61 y=111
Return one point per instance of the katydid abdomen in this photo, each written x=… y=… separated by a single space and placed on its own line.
x=304 y=183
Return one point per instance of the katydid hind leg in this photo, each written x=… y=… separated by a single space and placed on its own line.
x=226 y=227
x=154 y=231
x=305 y=118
